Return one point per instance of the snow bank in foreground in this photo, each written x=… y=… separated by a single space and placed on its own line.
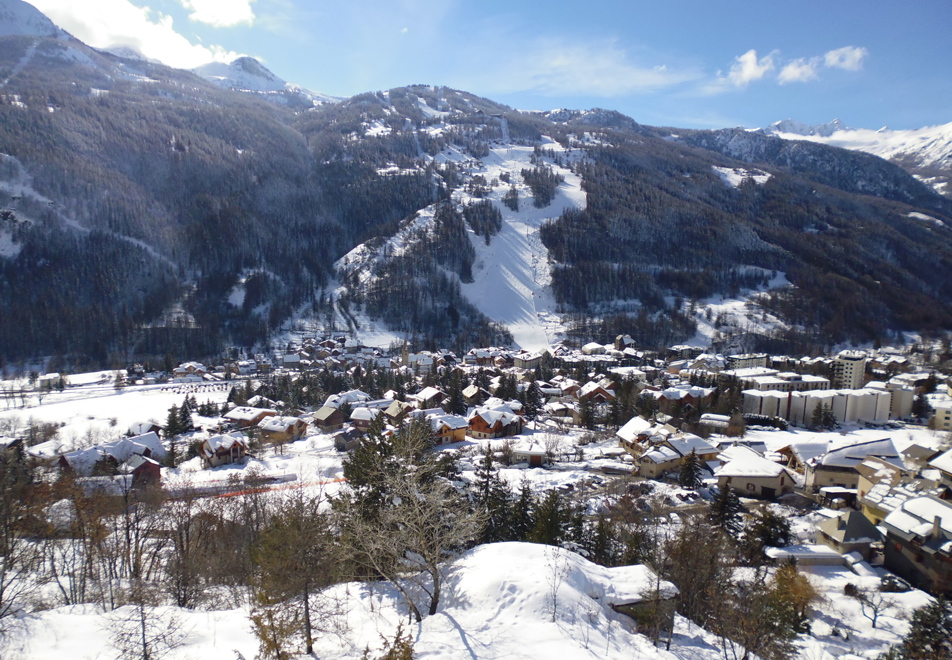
x=506 y=600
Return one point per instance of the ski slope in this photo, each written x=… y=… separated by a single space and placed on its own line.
x=511 y=276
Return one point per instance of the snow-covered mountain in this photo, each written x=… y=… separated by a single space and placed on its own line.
x=925 y=152
x=20 y=18
x=799 y=128
x=246 y=74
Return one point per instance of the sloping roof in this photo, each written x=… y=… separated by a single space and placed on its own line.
x=850 y=527
x=438 y=422
x=278 y=424
x=805 y=451
x=427 y=393
x=247 y=413
x=943 y=462
x=324 y=413
x=889 y=497
x=84 y=460
x=363 y=414
x=917 y=517
x=633 y=428
x=495 y=410
x=852 y=454
x=661 y=454
x=223 y=442
x=752 y=465
x=689 y=442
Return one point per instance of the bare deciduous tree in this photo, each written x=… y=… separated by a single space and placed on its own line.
x=416 y=522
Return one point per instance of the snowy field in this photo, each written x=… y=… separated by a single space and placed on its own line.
x=92 y=411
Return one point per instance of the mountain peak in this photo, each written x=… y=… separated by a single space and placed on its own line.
x=20 y=18
x=799 y=128
x=244 y=73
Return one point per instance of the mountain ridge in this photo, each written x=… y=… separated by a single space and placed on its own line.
x=187 y=216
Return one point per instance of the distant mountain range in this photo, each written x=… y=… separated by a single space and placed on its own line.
x=924 y=152
x=146 y=210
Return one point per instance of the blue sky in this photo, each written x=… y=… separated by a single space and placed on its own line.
x=684 y=63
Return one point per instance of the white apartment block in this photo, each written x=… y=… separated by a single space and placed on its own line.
x=861 y=405
x=849 y=370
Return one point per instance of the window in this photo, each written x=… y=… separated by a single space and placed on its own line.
x=751 y=487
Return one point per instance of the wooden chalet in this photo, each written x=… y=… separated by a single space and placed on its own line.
x=223 y=449
x=328 y=419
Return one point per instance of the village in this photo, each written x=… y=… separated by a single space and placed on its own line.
x=852 y=449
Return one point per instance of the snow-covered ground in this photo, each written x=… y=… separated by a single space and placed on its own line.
x=721 y=315
x=91 y=410
x=511 y=600
x=511 y=276
x=734 y=176
x=506 y=600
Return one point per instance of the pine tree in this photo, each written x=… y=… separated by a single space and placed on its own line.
x=602 y=543
x=532 y=402
x=920 y=406
x=492 y=498
x=456 y=404
x=522 y=518
x=930 y=634
x=185 y=417
x=172 y=423
x=174 y=427
x=690 y=475
x=550 y=520
x=725 y=511
x=586 y=413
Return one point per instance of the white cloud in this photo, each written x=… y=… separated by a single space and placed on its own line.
x=220 y=13
x=801 y=70
x=109 y=23
x=748 y=68
x=849 y=58
x=555 y=67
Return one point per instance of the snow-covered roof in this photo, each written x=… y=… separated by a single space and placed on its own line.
x=689 y=442
x=426 y=394
x=661 y=454
x=851 y=454
x=812 y=553
x=917 y=517
x=495 y=410
x=590 y=387
x=224 y=442
x=438 y=422
x=83 y=461
x=752 y=465
x=247 y=413
x=633 y=428
x=363 y=414
x=943 y=462
x=351 y=397
x=277 y=424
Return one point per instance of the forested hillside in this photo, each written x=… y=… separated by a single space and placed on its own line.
x=144 y=210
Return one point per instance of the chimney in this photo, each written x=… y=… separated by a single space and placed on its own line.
x=936 y=527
